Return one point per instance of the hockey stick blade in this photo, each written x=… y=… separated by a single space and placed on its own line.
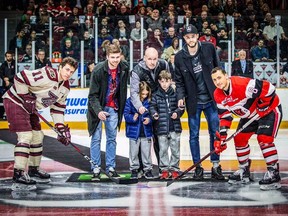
x=168 y=183
x=156 y=184
x=190 y=168
x=119 y=180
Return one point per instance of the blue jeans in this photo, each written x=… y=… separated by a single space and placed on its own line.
x=111 y=132
x=211 y=116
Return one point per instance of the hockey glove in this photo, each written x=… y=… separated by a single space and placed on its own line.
x=263 y=106
x=65 y=139
x=219 y=142
x=29 y=102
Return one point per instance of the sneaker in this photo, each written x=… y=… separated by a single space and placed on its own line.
x=175 y=174
x=140 y=173
x=112 y=173
x=199 y=173
x=165 y=174
x=242 y=175
x=134 y=174
x=148 y=174
x=216 y=173
x=22 y=181
x=271 y=179
x=37 y=175
x=96 y=174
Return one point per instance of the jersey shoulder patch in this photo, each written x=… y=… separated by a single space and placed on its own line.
x=51 y=73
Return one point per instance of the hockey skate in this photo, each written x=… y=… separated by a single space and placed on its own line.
x=241 y=176
x=271 y=179
x=37 y=175
x=22 y=181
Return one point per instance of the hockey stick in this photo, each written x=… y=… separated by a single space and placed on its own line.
x=116 y=180
x=163 y=184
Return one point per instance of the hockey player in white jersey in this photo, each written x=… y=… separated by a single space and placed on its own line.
x=32 y=91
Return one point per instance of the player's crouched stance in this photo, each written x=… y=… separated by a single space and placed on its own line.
x=245 y=98
x=32 y=91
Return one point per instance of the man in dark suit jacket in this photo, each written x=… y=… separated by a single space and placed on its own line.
x=242 y=67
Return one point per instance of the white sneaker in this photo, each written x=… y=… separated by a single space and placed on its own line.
x=96 y=174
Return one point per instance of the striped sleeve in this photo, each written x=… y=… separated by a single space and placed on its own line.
x=225 y=116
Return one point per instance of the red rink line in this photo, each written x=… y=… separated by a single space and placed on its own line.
x=6 y=169
x=14 y=211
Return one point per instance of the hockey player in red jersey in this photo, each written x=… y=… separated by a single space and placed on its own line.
x=35 y=90
x=245 y=97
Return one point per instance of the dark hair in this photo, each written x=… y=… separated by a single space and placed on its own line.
x=9 y=52
x=90 y=62
x=70 y=61
x=214 y=70
x=144 y=86
x=173 y=40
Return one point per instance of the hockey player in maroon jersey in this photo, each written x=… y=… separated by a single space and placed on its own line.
x=245 y=97
x=35 y=90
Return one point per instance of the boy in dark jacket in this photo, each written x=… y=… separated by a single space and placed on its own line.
x=139 y=131
x=164 y=109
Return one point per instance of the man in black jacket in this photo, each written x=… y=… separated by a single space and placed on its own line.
x=106 y=101
x=147 y=70
x=7 y=73
x=194 y=88
x=242 y=67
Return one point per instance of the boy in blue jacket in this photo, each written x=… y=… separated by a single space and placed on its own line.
x=139 y=132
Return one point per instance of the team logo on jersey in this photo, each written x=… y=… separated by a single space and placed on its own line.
x=241 y=112
x=229 y=99
x=49 y=100
x=51 y=72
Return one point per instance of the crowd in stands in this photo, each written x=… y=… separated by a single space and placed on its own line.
x=119 y=21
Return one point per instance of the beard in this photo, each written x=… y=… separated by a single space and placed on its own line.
x=193 y=45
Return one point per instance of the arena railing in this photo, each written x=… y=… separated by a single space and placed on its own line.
x=55 y=32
